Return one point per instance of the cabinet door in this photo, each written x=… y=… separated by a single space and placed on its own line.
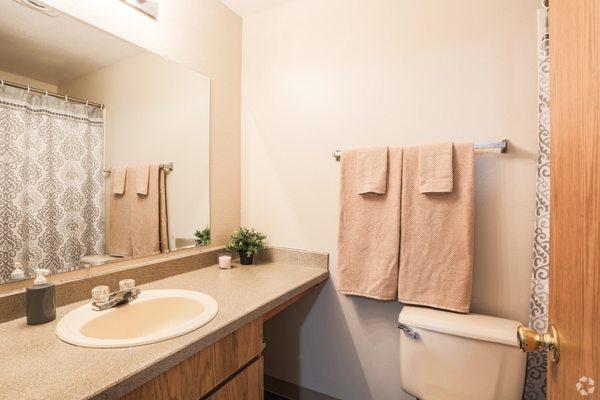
x=247 y=385
x=201 y=373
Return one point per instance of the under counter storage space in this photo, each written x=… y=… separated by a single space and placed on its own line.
x=222 y=359
x=231 y=368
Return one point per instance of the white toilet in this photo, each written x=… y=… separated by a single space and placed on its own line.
x=450 y=356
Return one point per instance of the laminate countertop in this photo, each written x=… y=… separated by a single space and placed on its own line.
x=36 y=364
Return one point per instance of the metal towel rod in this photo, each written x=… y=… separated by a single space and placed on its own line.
x=168 y=167
x=501 y=145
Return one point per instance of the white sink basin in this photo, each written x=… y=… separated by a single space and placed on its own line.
x=154 y=316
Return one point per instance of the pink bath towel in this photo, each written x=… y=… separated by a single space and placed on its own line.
x=369 y=232
x=436 y=244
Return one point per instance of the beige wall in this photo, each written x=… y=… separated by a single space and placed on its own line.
x=157 y=111
x=320 y=75
x=23 y=80
x=204 y=35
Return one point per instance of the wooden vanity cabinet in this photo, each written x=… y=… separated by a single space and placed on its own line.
x=247 y=385
x=231 y=368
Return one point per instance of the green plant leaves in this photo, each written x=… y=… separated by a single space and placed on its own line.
x=202 y=236
x=246 y=240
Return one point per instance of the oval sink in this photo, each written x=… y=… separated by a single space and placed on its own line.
x=154 y=316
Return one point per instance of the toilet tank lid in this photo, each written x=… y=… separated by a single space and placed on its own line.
x=474 y=326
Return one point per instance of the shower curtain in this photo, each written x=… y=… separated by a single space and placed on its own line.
x=535 y=379
x=51 y=184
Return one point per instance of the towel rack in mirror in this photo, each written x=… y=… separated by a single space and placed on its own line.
x=168 y=167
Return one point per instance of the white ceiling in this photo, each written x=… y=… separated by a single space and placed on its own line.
x=54 y=49
x=248 y=7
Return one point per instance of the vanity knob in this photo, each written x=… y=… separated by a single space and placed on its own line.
x=126 y=284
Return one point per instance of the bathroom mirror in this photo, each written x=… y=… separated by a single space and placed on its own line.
x=104 y=147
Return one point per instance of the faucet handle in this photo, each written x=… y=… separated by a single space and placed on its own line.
x=126 y=284
x=100 y=294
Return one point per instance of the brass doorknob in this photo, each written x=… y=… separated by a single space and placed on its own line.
x=531 y=340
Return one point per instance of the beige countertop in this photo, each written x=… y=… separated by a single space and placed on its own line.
x=35 y=364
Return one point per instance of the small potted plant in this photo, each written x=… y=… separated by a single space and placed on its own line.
x=246 y=241
x=202 y=237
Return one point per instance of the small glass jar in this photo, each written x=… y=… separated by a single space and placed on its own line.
x=225 y=261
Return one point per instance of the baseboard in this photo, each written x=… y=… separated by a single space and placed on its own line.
x=291 y=391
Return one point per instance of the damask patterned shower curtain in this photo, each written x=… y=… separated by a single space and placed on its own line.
x=535 y=381
x=51 y=183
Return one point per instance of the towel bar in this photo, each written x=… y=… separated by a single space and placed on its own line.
x=502 y=145
x=168 y=167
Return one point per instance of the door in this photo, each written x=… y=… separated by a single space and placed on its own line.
x=575 y=197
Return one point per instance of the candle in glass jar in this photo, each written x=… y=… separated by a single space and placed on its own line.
x=225 y=261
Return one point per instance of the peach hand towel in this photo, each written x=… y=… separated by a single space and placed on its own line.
x=117 y=177
x=371 y=171
x=436 y=243
x=119 y=218
x=435 y=168
x=142 y=179
x=369 y=232
x=145 y=218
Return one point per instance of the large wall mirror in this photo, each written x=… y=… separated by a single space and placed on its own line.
x=104 y=147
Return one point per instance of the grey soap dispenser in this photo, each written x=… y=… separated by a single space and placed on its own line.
x=41 y=299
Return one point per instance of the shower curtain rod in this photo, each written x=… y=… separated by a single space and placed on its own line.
x=502 y=145
x=48 y=93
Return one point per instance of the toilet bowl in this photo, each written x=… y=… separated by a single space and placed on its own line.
x=450 y=356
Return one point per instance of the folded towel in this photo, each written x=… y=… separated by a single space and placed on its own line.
x=371 y=170
x=119 y=216
x=142 y=178
x=436 y=244
x=145 y=218
x=117 y=177
x=369 y=232
x=138 y=224
x=435 y=168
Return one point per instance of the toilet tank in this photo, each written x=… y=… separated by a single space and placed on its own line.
x=460 y=356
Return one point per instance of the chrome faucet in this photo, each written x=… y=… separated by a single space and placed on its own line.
x=103 y=299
